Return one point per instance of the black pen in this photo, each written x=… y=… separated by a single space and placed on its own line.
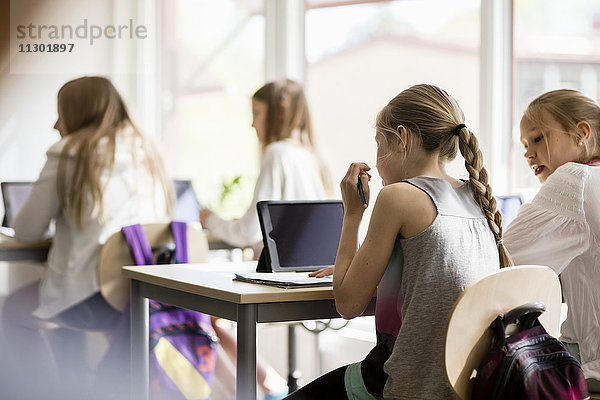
x=362 y=192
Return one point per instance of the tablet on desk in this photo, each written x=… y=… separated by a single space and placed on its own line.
x=299 y=235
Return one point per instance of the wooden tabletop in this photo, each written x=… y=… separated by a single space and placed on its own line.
x=215 y=280
x=7 y=242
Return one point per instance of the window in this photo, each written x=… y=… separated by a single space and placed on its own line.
x=555 y=47
x=376 y=50
x=213 y=61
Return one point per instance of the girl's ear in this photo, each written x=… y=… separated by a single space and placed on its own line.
x=586 y=130
x=403 y=136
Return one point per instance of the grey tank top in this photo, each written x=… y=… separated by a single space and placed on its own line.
x=455 y=250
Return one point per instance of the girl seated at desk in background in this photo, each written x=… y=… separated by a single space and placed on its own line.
x=430 y=236
x=560 y=131
x=290 y=168
x=103 y=174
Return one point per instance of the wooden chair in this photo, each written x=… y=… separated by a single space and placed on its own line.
x=83 y=347
x=115 y=254
x=468 y=337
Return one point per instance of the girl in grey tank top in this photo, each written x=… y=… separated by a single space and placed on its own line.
x=430 y=235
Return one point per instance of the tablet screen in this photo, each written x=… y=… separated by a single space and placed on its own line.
x=301 y=236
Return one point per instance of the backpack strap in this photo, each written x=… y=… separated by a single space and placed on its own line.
x=138 y=244
x=189 y=327
x=180 y=236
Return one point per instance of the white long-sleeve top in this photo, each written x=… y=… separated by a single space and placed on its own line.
x=288 y=171
x=130 y=196
x=561 y=229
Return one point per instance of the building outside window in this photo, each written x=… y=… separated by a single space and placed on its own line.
x=556 y=45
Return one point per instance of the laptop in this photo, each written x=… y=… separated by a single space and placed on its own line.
x=509 y=207
x=187 y=207
x=14 y=195
x=299 y=235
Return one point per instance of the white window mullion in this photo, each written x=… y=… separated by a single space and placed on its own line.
x=150 y=110
x=496 y=89
x=284 y=39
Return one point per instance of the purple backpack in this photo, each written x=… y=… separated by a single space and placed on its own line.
x=183 y=344
x=529 y=364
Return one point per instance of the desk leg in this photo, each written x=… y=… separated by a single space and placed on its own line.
x=293 y=372
x=140 y=383
x=246 y=352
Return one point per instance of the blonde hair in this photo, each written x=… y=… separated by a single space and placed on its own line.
x=92 y=112
x=288 y=112
x=431 y=115
x=568 y=107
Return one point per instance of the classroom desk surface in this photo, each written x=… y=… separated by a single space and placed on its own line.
x=209 y=288
x=12 y=249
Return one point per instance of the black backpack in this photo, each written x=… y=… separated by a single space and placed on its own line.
x=529 y=364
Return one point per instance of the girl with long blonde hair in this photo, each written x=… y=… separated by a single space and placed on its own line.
x=103 y=174
x=560 y=228
x=290 y=167
x=430 y=235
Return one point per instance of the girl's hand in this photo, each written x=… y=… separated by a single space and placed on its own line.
x=353 y=203
x=322 y=272
x=204 y=214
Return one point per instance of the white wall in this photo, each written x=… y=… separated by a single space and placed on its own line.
x=29 y=82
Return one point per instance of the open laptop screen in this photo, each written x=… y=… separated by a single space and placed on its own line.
x=187 y=208
x=14 y=195
x=509 y=206
x=300 y=235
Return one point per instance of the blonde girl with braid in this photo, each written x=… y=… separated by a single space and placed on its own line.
x=101 y=175
x=560 y=228
x=430 y=235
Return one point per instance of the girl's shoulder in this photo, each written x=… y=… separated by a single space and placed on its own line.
x=56 y=149
x=402 y=195
x=570 y=170
x=283 y=145
x=285 y=149
x=563 y=191
x=407 y=207
x=570 y=176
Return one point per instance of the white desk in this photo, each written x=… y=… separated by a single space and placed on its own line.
x=210 y=289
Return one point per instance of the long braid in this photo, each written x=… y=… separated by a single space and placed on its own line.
x=478 y=177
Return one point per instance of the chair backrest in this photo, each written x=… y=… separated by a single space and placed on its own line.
x=468 y=337
x=115 y=254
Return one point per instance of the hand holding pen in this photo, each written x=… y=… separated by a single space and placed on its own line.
x=361 y=192
x=355 y=188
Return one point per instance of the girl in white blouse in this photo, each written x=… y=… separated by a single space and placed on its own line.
x=290 y=168
x=102 y=174
x=560 y=131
